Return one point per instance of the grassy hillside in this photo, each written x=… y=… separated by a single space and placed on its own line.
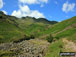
x=40 y=28
x=9 y=31
x=66 y=28
x=54 y=49
x=65 y=32
x=12 y=28
x=31 y=25
x=63 y=29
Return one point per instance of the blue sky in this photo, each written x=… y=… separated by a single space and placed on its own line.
x=56 y=10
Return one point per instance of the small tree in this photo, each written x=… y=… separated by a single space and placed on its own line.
x=50 y=38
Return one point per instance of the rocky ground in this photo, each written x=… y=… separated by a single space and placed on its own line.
x=69 y=46
x=32 y=48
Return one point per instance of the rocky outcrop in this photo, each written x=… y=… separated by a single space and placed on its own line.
x=22 y=49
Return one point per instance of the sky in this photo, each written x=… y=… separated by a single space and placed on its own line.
x=53 y=10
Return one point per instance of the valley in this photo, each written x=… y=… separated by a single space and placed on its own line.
x=32 y=37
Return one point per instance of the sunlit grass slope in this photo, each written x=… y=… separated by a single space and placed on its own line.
x=9 y=31
x=66 y=28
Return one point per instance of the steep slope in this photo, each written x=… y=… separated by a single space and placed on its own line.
x=65 y=25
x=12 y=28
x=26 y=21
x=31 y=25
x=9 y=30
x=65 y=32
x=45 y=21
x=12 y=38
x=15 y=29
x=64 y=29
x=61 y=45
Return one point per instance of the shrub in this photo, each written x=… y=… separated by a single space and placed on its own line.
x=32 y=37
x=50 y=38
x=24 y=38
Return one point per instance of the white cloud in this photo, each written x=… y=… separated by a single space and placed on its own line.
x=36 y=14
x=67 y=7
x=25 y=11
x=28 y=1
x=4 y=12
x=44 y=1
x=1 y=4
x=17 y=13
x=33 y=1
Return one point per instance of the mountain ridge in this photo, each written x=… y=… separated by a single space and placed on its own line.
x=19 y=26
x=21 y=33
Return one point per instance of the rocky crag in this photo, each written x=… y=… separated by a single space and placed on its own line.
x=23 y=49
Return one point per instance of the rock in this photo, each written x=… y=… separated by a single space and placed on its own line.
x=24 y=49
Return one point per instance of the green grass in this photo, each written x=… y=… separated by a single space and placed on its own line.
x=8 y=32
x=54 y=49
x=70 y=34
x=59 y=27
x=62 y=25
x=13 y=29
x=72 y=37
x=35 y=29
x=67 y=33
x=40 y=30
